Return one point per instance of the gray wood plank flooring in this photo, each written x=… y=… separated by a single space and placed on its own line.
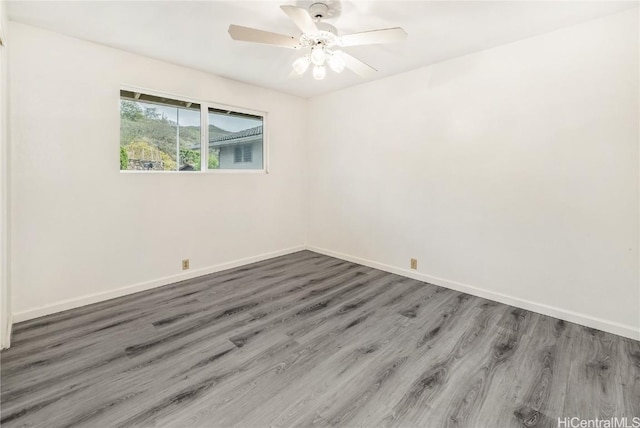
x=312 y=341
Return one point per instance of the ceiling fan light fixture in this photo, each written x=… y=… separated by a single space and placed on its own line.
x=318 y=55
x=319 y=72
x=302 y=64
x=318 y=39
x=336 y=62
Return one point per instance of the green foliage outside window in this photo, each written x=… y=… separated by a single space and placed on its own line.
x=124 y=158
x=141 y=149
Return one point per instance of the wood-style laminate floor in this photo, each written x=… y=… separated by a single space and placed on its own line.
x=309 y=340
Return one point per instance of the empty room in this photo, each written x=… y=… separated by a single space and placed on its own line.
x=324 y=213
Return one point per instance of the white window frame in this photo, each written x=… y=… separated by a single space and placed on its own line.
x=204 y=133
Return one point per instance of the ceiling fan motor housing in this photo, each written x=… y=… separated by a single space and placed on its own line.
x=327 y=36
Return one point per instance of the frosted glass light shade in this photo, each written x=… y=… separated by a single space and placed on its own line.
x=318 y=56
x=319 y=72
x=301 y=64
x=336 y=62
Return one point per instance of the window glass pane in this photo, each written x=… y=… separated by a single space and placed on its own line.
x=235 y=140
x=157 y=135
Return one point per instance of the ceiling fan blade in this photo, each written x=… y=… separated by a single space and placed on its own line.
x=357 y=66
x=388 y=35
x=301 y=18
x=295 y=75
x=247 y=34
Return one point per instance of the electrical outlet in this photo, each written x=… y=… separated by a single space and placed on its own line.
x=414 y=263
x=185 y=264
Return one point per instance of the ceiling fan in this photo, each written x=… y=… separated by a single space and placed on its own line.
x=321 y=41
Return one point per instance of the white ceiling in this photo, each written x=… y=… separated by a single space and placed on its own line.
x=194 y=34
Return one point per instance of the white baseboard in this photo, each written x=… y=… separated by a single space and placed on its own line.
x=563 y=314
x=135 y=288
x=571 y=316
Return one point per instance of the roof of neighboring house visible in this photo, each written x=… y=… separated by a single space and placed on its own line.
x=246 y=135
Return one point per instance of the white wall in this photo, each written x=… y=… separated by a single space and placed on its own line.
x=5 y=295
x=81 y=229
x=511 y=173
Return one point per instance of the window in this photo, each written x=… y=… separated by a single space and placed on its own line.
x=166 y=134
x=158 y=134
x=243 y=153
x=247 y=154
x=235 y=140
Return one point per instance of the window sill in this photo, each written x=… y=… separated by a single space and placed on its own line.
x=214 y=172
